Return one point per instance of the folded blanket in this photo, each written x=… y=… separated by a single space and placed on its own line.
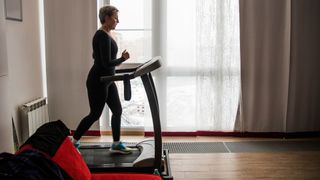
x=30 y=165
x=49 y=137
x=52 y=140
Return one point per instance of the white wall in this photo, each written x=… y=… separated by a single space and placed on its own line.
x=24 y=58
x=70 y=26
x=6 y=138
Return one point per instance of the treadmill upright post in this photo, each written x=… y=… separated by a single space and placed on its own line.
x=154 y=90
x=154 y=107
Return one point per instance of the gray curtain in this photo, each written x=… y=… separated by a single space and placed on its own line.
x=304 y=89
x=279 y=63
x=69 y=26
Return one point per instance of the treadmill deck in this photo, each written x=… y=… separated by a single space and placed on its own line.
x=102 y=156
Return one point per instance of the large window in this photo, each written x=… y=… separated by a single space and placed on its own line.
x=202 y=64
x=199 y=82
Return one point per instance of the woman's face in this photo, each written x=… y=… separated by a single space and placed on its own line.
x=112 y=21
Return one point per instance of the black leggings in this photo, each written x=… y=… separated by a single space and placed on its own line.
x=99 y=94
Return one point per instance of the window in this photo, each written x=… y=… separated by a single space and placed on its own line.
x=201 y=79
x=198 y=84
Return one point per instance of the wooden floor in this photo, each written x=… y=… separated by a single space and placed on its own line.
x=279 y=165
x=294 y=165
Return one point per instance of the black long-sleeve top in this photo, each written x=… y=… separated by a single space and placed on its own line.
x=105 y=51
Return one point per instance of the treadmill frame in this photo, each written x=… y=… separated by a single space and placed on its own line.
x=144 y=71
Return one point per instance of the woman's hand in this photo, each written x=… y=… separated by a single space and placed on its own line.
x=125 y=55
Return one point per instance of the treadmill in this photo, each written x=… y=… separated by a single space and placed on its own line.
x=148 y=156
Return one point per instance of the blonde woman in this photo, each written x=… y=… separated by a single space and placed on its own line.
x=104 y=54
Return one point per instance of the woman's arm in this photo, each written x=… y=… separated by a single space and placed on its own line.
x=105 y=53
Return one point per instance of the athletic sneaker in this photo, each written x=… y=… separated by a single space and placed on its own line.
x=76 y=143
x=120 y=148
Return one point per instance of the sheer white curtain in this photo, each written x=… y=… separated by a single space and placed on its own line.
x=218 y=64
x=199 y=82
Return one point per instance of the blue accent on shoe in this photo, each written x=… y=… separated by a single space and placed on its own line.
x=120 y=148
x=77 y=145
x=156 y=172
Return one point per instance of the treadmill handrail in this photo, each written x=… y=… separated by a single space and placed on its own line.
x=117 y=77
x=145 y=68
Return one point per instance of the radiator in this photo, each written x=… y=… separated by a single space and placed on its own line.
x=33 y=115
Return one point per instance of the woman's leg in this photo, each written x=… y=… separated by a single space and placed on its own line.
x=114 y=104
x=97 y=96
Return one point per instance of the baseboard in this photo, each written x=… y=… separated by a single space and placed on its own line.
x=124 y=133
x=242 y=134
x=109 y=133
x=211 y=133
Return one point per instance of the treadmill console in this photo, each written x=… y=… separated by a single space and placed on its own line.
x=129 y=71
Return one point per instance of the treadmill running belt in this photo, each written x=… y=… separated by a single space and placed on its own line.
x=103 y=156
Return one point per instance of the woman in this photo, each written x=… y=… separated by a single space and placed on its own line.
x=104 y=54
